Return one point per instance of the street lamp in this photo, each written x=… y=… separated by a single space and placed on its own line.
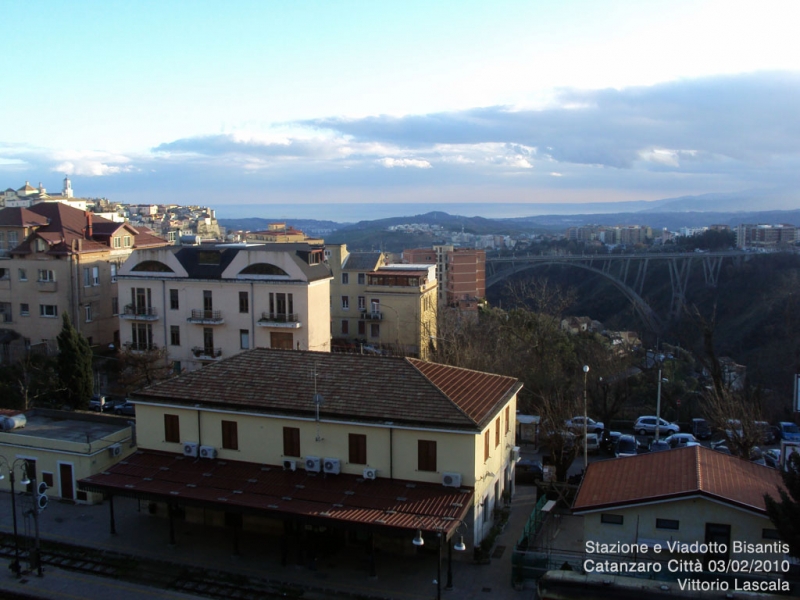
x=11 y=466
x=585 y=421
x=459 y=546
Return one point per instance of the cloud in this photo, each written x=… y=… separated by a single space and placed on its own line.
x=390 y=163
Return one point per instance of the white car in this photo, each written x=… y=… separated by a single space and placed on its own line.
x=680 y=440
x=647 y=425
x=575 y=425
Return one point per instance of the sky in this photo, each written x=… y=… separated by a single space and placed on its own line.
x=285 y=103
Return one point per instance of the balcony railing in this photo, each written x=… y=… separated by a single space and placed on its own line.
x=204 y=353
x=139 y=313
x=206 y=317
x=268 y=319
x=373 y=315
x=139 y=346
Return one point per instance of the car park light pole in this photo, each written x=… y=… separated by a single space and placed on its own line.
x=11 y=466
x=585 y=420
x=418 y=541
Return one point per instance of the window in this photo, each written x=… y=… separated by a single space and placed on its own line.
x=47 y=478
x=141 y=336
x=208 y=340
x=486 y=446
x=345 y=326
x=208 y=300
x=358 y=449
x=667 y=524
x=362 y=303
x=46 y=275
x=362 y=279
x=611 y=519
x=113 y=272
x=508 y=419
x=174 y=335
x=23 y=275
x=48 y=310
x=345 y=302
x=87 y=277
x=114 y=305
x=426 y=455
x=375 y=330
x=230 y=435
x=770 y=534
x=345 y=278
x=291 y=441
x=24 y=310
x=12 y=240
x=244 y=302
x=244 y=339
x=117 y=242
x=95 y=275
x=497 y=432
x=172 y=429
x=87 y=313
x=362 y=328
x=173 y=300
x=126 y=241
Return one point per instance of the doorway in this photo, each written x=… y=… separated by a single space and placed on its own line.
x=65 y=478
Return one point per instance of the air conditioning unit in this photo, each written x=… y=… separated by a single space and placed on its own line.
x=515 y=454
x=208 y=452
x=313 y=464
x=289 y=465
x=190 y=449
x=331 y=465
x=451 y=479
x=115 y=450
x=370 y=473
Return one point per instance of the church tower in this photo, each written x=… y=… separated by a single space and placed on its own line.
x=67 y=191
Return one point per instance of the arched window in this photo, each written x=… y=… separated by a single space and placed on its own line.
x=152 y=266
x=263 y=269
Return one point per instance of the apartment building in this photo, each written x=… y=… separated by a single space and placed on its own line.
x=392 y=307
x=749 y=235
x=461 y=273
x=386 y=446
x=55 y=259
x=280 y=233
x=211 y=301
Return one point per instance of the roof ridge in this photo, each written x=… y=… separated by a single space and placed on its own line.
x=409 y=360
x=698 y=468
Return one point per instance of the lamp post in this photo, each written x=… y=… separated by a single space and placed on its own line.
x=418 y=541
x=11 y=466
x=585 y=420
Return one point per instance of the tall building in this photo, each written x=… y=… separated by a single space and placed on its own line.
x=461 y=273
x=392 y=307
x=55 y=259
x=211 y=301
x=749 y=235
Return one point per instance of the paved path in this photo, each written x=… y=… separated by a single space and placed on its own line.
x=145 y=535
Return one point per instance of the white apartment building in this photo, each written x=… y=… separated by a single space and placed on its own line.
x=210 y=301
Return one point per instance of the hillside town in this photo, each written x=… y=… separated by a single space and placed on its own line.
x=247 y=385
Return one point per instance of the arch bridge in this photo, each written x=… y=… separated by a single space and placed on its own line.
x=627 y=272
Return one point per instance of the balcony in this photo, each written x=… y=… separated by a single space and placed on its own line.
x=290 y=321
x=374 y=315
x=139 y=313
x=204 y=353
x=206 y=317
x=139 y=346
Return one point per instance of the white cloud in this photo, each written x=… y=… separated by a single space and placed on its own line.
x=554 y=174
x=390 y=163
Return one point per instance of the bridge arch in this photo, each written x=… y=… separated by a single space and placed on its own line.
x=641 y=307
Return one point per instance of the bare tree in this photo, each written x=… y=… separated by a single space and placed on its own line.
x=139 y=369
x=562 y=445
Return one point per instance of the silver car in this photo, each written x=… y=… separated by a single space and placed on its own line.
x=647 y=425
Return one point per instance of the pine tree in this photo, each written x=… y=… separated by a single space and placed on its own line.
x=785 y=514
x=74 y=366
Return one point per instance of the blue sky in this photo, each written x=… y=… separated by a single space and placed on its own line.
x=416 y=102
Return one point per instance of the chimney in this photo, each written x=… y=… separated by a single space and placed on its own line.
x=88 y=225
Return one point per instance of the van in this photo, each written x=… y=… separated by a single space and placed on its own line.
x=700 y=429
x=789 y=431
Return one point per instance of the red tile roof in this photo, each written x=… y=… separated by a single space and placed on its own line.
x=691 y=471
x=20 y=217
x=256 y=488
x=354 y=387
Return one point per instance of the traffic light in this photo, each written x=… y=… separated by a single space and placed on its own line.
x=41 y=496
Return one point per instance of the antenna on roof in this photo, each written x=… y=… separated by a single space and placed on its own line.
x=318 y=400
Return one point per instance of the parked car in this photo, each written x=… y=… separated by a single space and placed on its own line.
x=626 y=446
x=789 y=431
x=659 y=446
x=721 y=446
x=592 y=443
x=98 y=403
x=575 y=425
x=767 y=434
x=757 y=456
x=528 y=471
x=126 y=408
x=773 y=458
x=609 y=441
x=647 y=425
x=680 y=440
x=700 y=429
